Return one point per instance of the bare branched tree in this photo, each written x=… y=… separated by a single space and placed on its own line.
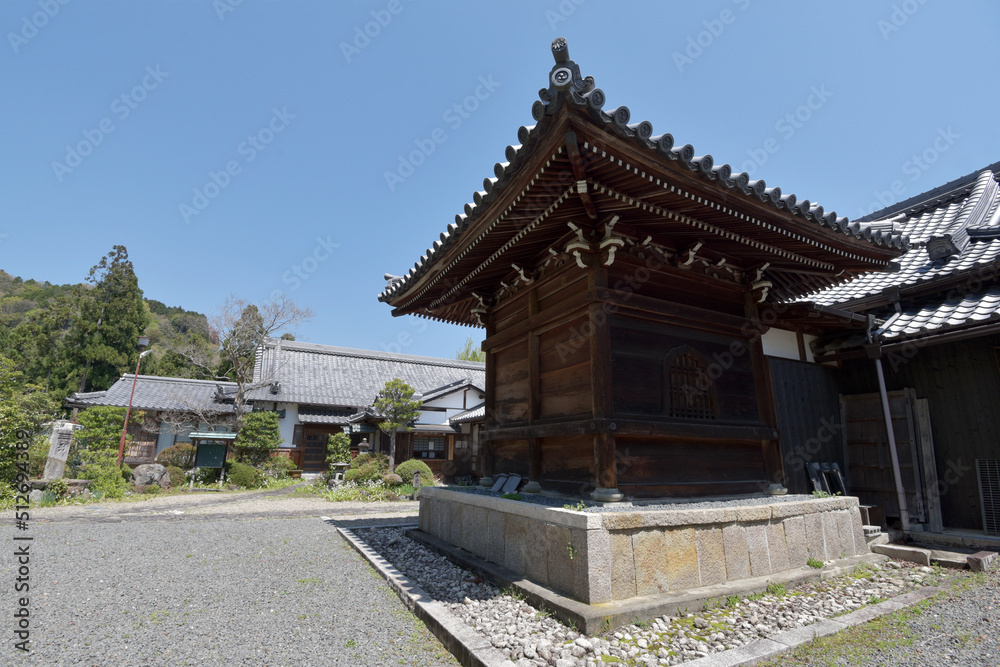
x=243 y=328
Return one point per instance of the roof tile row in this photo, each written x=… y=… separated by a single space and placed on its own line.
x=567 y=85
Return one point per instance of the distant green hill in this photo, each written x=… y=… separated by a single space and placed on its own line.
x=38 y=311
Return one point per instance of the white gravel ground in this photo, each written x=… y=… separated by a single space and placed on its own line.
x=234 y=583
x=218 y=592
x=532 y=638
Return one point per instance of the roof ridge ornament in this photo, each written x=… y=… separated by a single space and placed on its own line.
x=565 y=77
x=954 y=241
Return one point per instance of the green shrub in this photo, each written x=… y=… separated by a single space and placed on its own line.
x=279 y=467
x=338 y=448
x=366 y=458
x=101 y=467
x=108 y=482
x=206 y=476
x=406 y=469
x=38 y=454
x=369 y=472
x=58 y=487
x=392 y=479
x=180 y=455
x=259 y=434
x=243 y=475
x=149 y=490
x=812 y=562
x=177 y=477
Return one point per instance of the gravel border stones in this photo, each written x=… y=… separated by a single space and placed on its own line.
x=727 y=635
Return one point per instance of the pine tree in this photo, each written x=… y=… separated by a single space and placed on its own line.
x=470 y=351
x=396 y=407
x=103 y=342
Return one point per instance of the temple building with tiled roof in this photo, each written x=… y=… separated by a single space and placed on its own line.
x=611 y=270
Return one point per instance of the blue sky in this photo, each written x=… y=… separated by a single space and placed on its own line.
x=310 y=147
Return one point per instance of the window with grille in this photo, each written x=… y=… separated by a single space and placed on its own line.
x=989 y=494
x=428 y=448
x=689 y=392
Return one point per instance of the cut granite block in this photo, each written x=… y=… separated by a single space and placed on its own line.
x=734 y=538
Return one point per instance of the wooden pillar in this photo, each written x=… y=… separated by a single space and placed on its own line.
x=534 y=402
x=602 y=398
x=487 y=446
x=770 y=447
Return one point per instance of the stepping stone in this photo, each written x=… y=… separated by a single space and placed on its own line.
x=982 y=561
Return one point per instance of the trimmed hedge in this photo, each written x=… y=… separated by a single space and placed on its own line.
x=369 y=472
x=362 y=460
x=243 y=475
x=406 y=469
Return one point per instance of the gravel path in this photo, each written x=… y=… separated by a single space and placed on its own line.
x=275 y=503
x=235 y=591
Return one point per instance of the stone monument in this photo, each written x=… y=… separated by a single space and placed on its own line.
x=59 y=445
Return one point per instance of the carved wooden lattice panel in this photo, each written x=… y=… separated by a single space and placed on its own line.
x=689 y=392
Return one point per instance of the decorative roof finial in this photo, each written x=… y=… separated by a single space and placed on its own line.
x=560 y=50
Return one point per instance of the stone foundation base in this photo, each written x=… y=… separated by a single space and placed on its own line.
x=615 y=556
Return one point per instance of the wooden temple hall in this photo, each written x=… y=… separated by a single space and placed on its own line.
x=624 y=283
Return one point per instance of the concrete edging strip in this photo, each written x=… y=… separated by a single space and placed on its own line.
x=470 y=648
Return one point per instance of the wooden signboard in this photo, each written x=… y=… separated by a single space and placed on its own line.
x=210 y=455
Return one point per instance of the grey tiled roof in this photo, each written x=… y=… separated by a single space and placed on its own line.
x=160 y=393
x=566 y=84
x=476 y=414
x=312 y=415
x=438 y=392
x=934 y=215
x=326 y=375
x=957 y=312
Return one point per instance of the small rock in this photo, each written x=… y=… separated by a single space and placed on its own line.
x=700 y=623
